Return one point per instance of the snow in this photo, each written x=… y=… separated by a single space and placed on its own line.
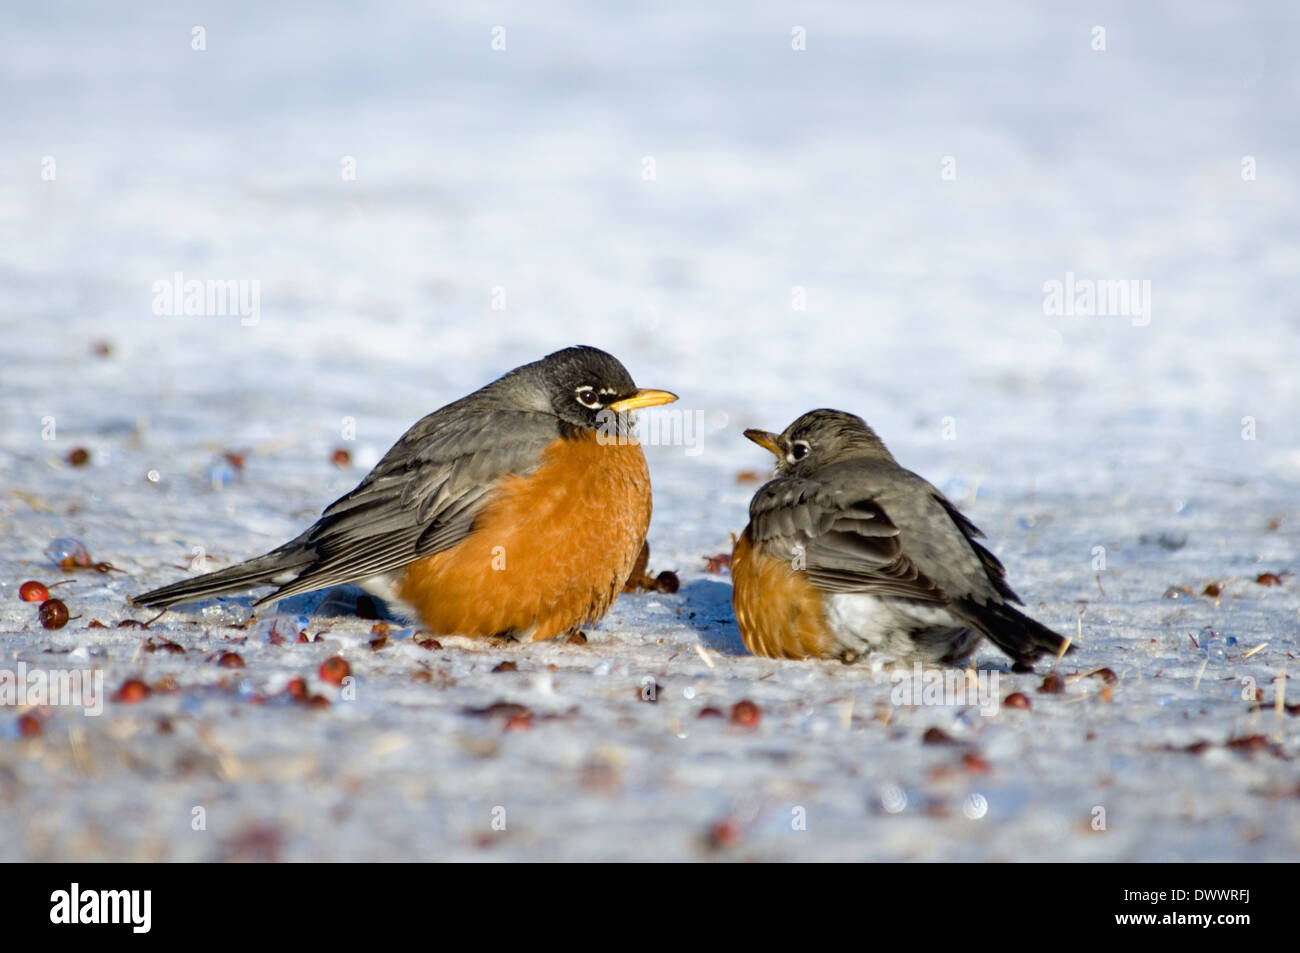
x=483 y=173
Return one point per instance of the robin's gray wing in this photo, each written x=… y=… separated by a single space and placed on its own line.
x=996 y=572
x=421 y=498
x=844 y=539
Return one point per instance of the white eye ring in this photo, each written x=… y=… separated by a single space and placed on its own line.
x=798 y=450
x=587 y=397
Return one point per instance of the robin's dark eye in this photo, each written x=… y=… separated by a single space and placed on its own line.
x=587 y=397
x=799 y=450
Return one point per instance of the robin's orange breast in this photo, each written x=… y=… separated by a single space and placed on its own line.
x=549 y=553
x=780 y=613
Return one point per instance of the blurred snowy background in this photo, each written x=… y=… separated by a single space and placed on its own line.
x=867 y=223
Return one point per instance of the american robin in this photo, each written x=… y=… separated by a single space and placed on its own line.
x=846 y=553
x=517 y=511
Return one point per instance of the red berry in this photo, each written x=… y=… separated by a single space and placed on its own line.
x=725 y=833
x=33 y=591
x=297 y=689
x=334 y=669
x=230 y=660
x=78 y=456
x=29 y=726
x=341 y=458
x=668 y=582
x=746 y=713
x=974 y=763
x=1053 y=684
x=1017 y=700
x=53 y=614
x=522 y=721
x=133 y=690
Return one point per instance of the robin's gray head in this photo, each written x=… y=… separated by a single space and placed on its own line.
x=820 y=437
x=580 y=385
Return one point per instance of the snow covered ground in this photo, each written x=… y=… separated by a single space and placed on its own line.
x=867 y=223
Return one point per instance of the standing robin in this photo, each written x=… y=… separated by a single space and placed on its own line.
x=847 y=553
x=517 y=511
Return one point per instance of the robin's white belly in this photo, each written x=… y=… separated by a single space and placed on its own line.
x=384 y=587
x=901 y=629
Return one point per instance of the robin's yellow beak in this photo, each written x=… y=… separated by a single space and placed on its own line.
x=768 y=441
x=643 y=398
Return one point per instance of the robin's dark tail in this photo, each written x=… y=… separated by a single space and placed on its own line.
x=1015 y=633
x=276 y=568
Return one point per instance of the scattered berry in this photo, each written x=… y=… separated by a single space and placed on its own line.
x=507 y=667
x=133 y=690
x=68 y=553
x=746 y=713
x=937 y=736
x=78 y=457
x=520 y=721
x=974 y=763
x=341 y=458
x=724 y=833
x=230 y=660
x=1269 y=579
x=1052 y=684
x=1016 y=700
x=33 y=591
x=334 y=669
x=163 y=645
x=297 y=689
x=53 y=614
x=29 y=726
x=710 y=713
x=668 y=582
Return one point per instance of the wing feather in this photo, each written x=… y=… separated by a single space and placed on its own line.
x=846 y=541
x=422 y=497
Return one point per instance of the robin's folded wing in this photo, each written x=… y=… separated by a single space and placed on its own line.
x=844 y=541
x=993 y=567
x=422 y=497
